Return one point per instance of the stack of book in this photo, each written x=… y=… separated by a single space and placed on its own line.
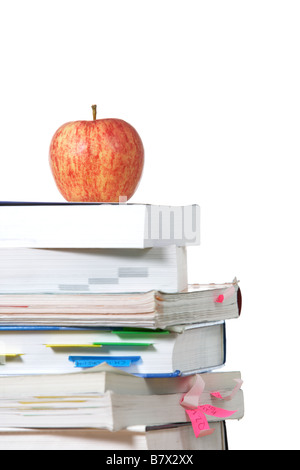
x=102 y=339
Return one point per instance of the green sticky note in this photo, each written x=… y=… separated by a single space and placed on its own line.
x=121 y=344
x=140 y=331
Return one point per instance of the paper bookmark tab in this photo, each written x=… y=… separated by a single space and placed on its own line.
x=114 y=361
x=232 y=394
x=66 y=346
x=3 y=357
x=226 y=295
x=100 y=345
x=198 y=419
x=197 y=412
x=125 y=344
x=199 y=423
x=13 y=355
x=192 y=398
x=216 y=412
x=139 y=331
x=2 y=353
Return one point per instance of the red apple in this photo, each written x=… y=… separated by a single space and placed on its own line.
x=96 y=161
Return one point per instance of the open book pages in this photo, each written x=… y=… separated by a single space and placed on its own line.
x=152 y=309
x=92 y=271
x=110 y=399
x=196 y=347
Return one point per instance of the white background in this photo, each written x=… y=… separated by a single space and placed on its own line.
x=213 y=88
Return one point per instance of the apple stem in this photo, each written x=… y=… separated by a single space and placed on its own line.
x=94 y=108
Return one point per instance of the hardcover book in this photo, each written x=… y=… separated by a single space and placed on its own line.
x=178 y=351
x=87 y=225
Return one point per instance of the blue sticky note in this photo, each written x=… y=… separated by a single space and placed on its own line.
x=114 y=361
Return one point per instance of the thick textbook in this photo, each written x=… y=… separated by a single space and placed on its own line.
x=179 y=437
x=179 y=351
x=108 y=398
x=154 y=309
x=71 y=225
x=99 y=270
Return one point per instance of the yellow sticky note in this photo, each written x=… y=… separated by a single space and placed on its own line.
x=11 y=354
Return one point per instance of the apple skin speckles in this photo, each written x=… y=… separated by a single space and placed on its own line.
x=96 y=161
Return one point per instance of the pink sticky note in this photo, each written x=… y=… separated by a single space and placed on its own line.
x=232 y=394
x=226 y=294
x=217 y=412
x=199 y=422
x=229 y=292
x=216 y=395
x=192 y=398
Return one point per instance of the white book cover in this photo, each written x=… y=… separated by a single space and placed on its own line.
x=70 y=225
